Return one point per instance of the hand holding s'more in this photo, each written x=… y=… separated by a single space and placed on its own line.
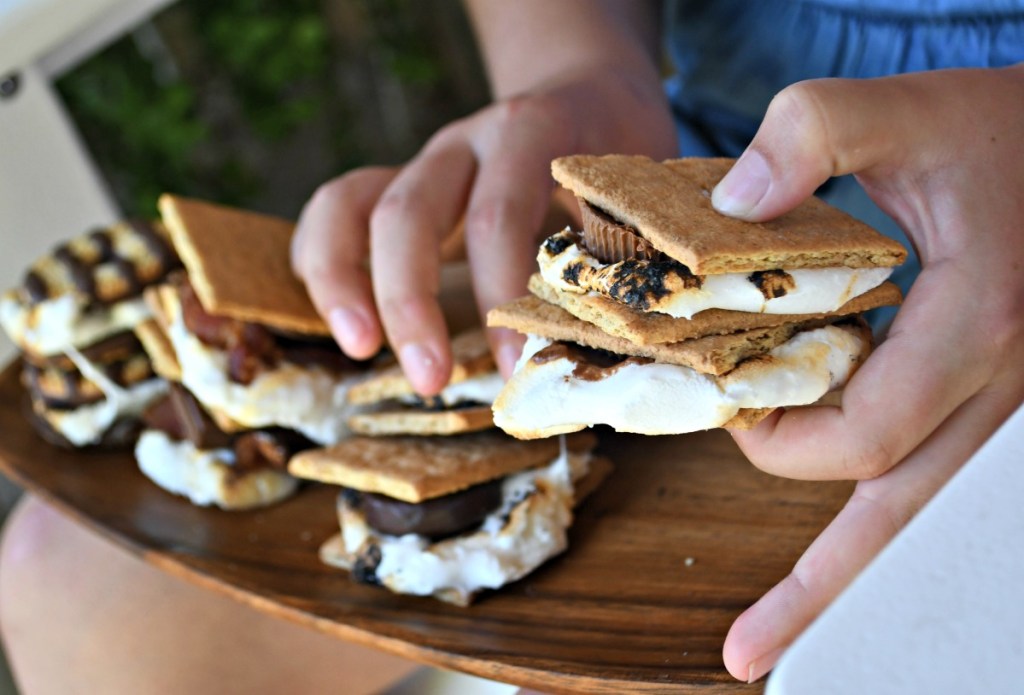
x=662 y=316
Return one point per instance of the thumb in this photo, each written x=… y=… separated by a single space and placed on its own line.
x=821 y=128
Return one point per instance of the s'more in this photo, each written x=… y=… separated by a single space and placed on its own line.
x=662 y=316
x=86 y=375
x=451 y=516
x=251 y=346
x=255 y=376
x=464 y=405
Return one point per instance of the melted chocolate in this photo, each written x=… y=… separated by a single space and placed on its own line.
x=35 y=287
x=591 y=364
x=437 y=518
x=156 y=244
x=269 y=448
x=194 y=422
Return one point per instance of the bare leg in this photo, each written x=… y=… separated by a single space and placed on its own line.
x=79 y=615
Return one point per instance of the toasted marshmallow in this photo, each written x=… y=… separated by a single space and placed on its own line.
x=206 y=477
x=308 y=399
x=52 y=326
x=529 y=527
x=566 y=266
x=547 y=398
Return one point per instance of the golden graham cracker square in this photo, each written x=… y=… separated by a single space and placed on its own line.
x=414 y=469
x=669 y=204
x=416 y=421
x=648 y=328
x=158 y=346
x=238 y=263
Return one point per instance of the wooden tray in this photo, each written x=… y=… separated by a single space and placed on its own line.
x=681 y=538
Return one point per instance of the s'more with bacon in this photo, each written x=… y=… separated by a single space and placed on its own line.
x=662 y=316
x=255 y=375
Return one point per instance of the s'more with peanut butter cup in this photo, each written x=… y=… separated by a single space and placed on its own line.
x=464 y=405
x=87 y=377
x=662 y=316
x=450 y=517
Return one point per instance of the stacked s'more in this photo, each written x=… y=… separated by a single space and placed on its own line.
x=86 y=375
x=661 y=316
x=436 y=502
x=255 y=376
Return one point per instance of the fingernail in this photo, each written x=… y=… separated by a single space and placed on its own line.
x=762 y=665
x=349 y=327
x=419 y=364
x=744 y=186
x=508 y=355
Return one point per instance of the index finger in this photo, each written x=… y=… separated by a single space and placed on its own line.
x=413 y=216
x=509 y=202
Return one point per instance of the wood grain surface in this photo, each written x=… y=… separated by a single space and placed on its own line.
x=681 y=538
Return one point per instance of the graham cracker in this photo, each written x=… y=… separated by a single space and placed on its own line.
x=669 y=204
x=158 y=346
x=748 y=418
x=414 y=469
x=471 y=357
x=648 y=328
x=713 y=354
x=238 y=263
x=422 y=422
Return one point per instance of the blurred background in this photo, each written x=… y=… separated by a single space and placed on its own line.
x=256 y=102
x=105 y=104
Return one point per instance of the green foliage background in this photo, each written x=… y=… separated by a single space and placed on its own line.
x=209 y=97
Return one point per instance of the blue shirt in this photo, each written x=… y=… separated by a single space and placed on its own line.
x=733 y=56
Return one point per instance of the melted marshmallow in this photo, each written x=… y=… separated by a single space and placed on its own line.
x=86 y=424
x=817 y=290
x=54 y=325
x=528 y=528
x=545 y=399
x=204 y=476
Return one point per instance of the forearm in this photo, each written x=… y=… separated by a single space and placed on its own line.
x=530 y=44
x=597 y=60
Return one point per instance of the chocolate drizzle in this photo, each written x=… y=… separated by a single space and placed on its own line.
x=82 y=256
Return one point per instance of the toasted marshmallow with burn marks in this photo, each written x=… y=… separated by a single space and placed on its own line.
x=450 y=517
